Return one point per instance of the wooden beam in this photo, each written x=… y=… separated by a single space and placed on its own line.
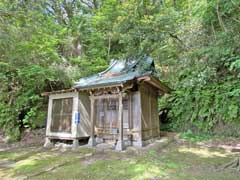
x=130 y=111
x=99 y=87
x=58 y=92
x=105 y=96
x=130 y=86
x=92 y=141
x=120 y=143
x=120 y=117
x=154 y=82
x=161 y=86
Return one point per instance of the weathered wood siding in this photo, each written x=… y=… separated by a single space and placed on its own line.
x=149 y=115
x=107 y=123
x=136 y=116
x=106 y=114
x=84 y=127
x=154 y=115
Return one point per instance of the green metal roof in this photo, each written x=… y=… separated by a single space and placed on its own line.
x=119 y=71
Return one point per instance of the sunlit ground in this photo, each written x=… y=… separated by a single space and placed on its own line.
x=176 y=161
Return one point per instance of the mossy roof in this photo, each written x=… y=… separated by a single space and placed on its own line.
x=119 y=72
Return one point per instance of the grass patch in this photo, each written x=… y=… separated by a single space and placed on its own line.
x=5 y=155
x=135 y=169
x=36 y=163
x=176 y=161
x=85 y=150
x=18 y=154
x=194 y=137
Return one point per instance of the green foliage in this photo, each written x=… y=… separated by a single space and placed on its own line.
x=206 y=82
x=205 y=107
x=194 y=137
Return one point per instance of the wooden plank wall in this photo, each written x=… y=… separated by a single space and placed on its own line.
x=149 y=116
x=136 y=116
x=106 y=111
x=131 y=118
x=143 y=115
x=84 y=127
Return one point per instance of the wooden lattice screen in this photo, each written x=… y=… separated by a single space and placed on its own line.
x=107 y=113
x=62 y=115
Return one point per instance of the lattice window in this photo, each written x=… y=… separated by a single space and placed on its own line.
x=61 y=115
x=107 y=111
x=112 y=104
x=125 y=104
x=100 y=112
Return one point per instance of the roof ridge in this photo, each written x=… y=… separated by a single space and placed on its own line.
x=110 y=67
x=120 y=70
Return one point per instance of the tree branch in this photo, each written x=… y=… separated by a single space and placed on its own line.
x=179 y=40
x=220 y=18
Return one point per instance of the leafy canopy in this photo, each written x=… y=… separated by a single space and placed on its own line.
x=48 y=44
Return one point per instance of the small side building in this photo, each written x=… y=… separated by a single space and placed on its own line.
x=118 y=105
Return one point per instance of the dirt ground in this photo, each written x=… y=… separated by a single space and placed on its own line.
x=167 y=158
x=28 y=138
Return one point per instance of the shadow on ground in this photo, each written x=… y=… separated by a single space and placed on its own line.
x=174 y=160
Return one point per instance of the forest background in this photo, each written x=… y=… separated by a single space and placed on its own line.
x=47 y=45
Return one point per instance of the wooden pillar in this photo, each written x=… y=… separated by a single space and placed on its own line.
x=92 y=141
x=75 y=143
x=75 y=122
x=120 y=142
x=48 y=142
x=139 y=142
